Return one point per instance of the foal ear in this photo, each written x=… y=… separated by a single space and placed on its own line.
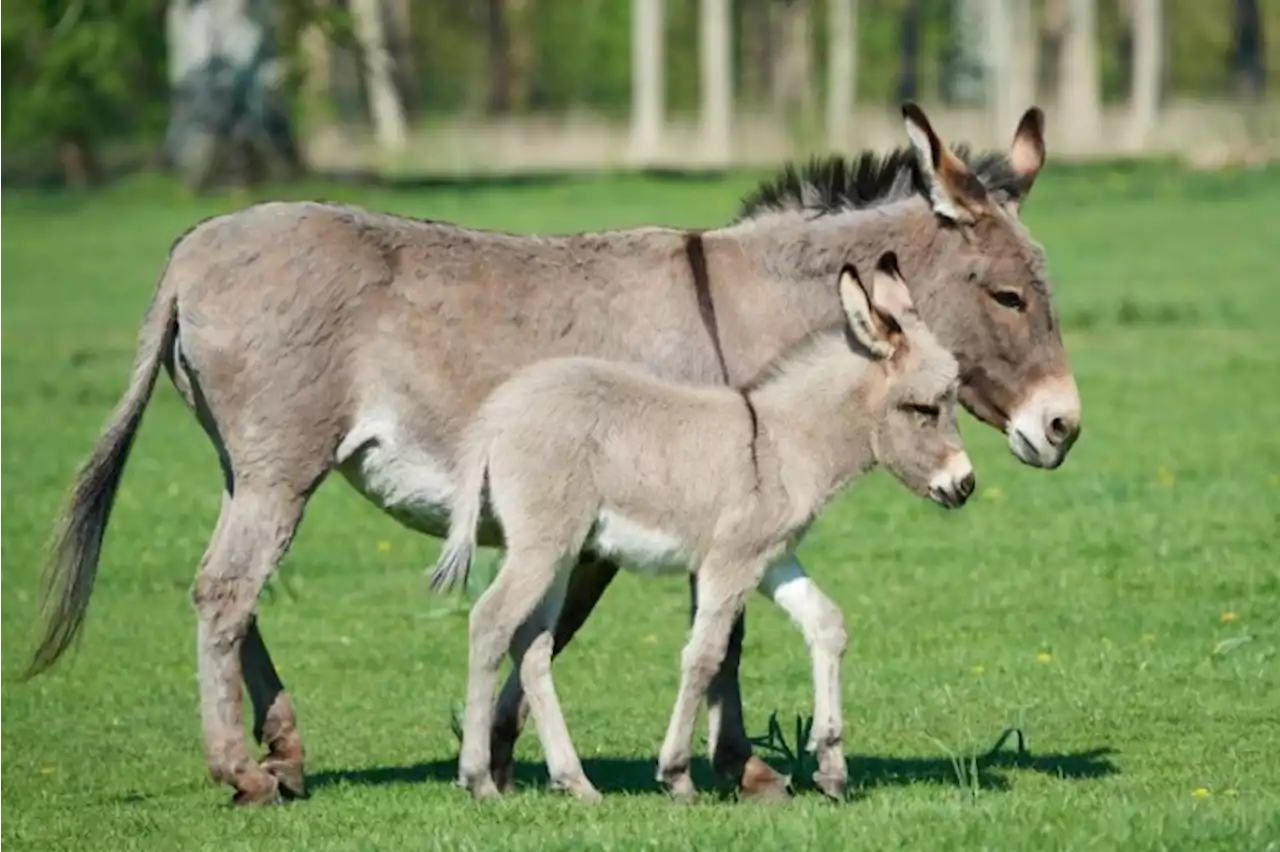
x=889 y=294
x=866 y=325
x=955 y=191
x=1026 y=154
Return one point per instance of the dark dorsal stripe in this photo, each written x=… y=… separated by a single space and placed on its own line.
x=754 y=417
x=696 y=253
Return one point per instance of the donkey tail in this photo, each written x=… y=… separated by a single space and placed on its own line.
x=72 y=562
x=454 y=564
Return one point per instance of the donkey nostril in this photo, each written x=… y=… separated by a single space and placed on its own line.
x=968 y=484
x=1061 y=429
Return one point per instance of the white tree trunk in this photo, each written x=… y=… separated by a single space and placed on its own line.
x=1144 y=97
x=1078 y=85
x=842 y=70
x=647 y=23
x=385 y=106
x=715 y=80
x=999 y=74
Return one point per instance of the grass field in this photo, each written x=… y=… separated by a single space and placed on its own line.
x=1122 y=611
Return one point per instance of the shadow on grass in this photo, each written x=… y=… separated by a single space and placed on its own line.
x=636 y=775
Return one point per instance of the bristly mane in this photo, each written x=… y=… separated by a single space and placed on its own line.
x=834 y=183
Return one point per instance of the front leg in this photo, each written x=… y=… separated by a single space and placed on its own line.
x=727 y=739
x=788 y=586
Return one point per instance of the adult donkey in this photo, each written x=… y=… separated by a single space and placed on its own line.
x=308 y=337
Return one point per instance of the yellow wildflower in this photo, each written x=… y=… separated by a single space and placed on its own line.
x=992 y=493
x=979 y=670
x=384 y=546
x=1044 y=657
x=1228 y=616
x=1165 y=477
x=1201 y=793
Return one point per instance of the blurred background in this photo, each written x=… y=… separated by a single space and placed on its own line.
x=244 y=91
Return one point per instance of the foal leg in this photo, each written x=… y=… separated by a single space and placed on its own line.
x=274 y=720
x=520 y=586
x=722 y=591
x=586 y=584
x=822 y=623
x=253 y=534
x=727 y=741
x=531 y=656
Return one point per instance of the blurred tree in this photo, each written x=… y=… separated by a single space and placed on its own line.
x=793 y=60
x=715 y=79
x=1079 y=97
x=964 y=81
x=385 y=105
x=842 y=69
x=1249 y=52
x=1144 y=94
x=73 y=73
x=230 y=115
x=908 y=88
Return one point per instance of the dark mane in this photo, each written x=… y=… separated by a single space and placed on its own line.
x=834 y=183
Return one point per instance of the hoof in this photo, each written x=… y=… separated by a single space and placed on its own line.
x=761 y=783
x=580 y=788
x=289 y=775
x=832 y=786
x=681 y=790
x=258 y=793
x=504 y=776
x=484 y=790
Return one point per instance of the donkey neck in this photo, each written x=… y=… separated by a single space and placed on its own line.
x=816 y=415
x=774 y=276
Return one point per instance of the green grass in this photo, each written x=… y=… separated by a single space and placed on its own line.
x=1121 y=611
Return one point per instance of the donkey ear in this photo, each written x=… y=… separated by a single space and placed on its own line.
x=955 y=191
x=1026 y=154
x=889 y=294
x=864 y=324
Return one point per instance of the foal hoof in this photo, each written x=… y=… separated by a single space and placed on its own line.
x=289 y=775
x=761 y=783
x=832 y=786
x=504 y=775
x=484 y=790
x=258 y=793
x=579 y=788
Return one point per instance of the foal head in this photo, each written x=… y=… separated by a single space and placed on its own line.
x=913 y=406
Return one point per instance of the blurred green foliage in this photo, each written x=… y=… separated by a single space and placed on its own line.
x=93 y=71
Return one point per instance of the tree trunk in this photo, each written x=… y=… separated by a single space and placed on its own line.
x=1144 y=93
x=999 y=72
x=793 y=63
x=757 y=40
x=1078 y=87
x=715 y=80
x=1248 y=50
x=385 y=106
x=842 y=69
x=909 y=52
x=647 y=24
x=230 y=117
x=966 y=78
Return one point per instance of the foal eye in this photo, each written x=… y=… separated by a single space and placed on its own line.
x=928 y=412
x=1010 y=299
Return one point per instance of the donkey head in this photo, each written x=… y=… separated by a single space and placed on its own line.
x=990 y=302
x=914 y=430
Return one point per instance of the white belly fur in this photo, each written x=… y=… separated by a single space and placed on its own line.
x=636 y=547
x=396 y=474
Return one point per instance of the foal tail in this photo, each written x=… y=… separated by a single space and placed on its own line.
x=72 y=563
x=455 y=560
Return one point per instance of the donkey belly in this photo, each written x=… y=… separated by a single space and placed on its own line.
x=397 y=473
x=637 y=547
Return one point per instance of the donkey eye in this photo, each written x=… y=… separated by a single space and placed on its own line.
x=1010 y=299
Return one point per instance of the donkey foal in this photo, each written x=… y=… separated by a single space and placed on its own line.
x=587 y=455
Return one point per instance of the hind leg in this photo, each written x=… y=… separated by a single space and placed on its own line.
x=274 y=722
x=586 y=584
x=527 y=574
x=531 y=659
x=252 y=536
